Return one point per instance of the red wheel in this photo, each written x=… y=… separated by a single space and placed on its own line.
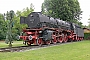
x=54 y=41
x=28 y=43
x=78 y=39
x=60 y=39
x=65 y=39
x=48 y=42
x=39 y=42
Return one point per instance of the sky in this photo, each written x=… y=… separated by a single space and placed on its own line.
x=7 y=5
x=85 y=7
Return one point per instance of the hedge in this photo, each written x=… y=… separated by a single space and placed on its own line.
x=87 y=36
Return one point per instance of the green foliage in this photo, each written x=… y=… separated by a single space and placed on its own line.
x=87 y=36
x=79 y=23
x=88 y=23
x=3 y=27
x=67 y=10
x=25 y=12
x=16 y=26
x=9 y=38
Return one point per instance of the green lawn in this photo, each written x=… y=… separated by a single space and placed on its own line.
x=15 y=43
x=72 y=51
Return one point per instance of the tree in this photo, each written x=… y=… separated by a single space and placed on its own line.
x=67 y=10
x=88 y=23
x=9 y=15
x=3 y=27
x=25 y=12
x=14 y=27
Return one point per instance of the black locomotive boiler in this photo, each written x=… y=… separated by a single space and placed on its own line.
x=44 y=29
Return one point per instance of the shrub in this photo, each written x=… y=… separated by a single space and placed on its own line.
x=87 y=36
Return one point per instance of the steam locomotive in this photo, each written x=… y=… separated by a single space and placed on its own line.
x=44 y=29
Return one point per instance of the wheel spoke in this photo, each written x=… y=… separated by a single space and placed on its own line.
x=61 y=40
x=39 y=42
x=54 y=41
x=65 y=39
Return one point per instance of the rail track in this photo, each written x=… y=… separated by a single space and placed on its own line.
x=25 y=48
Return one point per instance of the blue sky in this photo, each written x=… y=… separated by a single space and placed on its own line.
x=7 y=5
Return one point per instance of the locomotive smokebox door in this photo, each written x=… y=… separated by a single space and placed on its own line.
x=47 y=35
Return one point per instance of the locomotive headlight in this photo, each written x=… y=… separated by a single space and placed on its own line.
x=30 y=37
x=17 y=37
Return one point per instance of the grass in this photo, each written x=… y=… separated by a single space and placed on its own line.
x=72 y=51
x=15 y=43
